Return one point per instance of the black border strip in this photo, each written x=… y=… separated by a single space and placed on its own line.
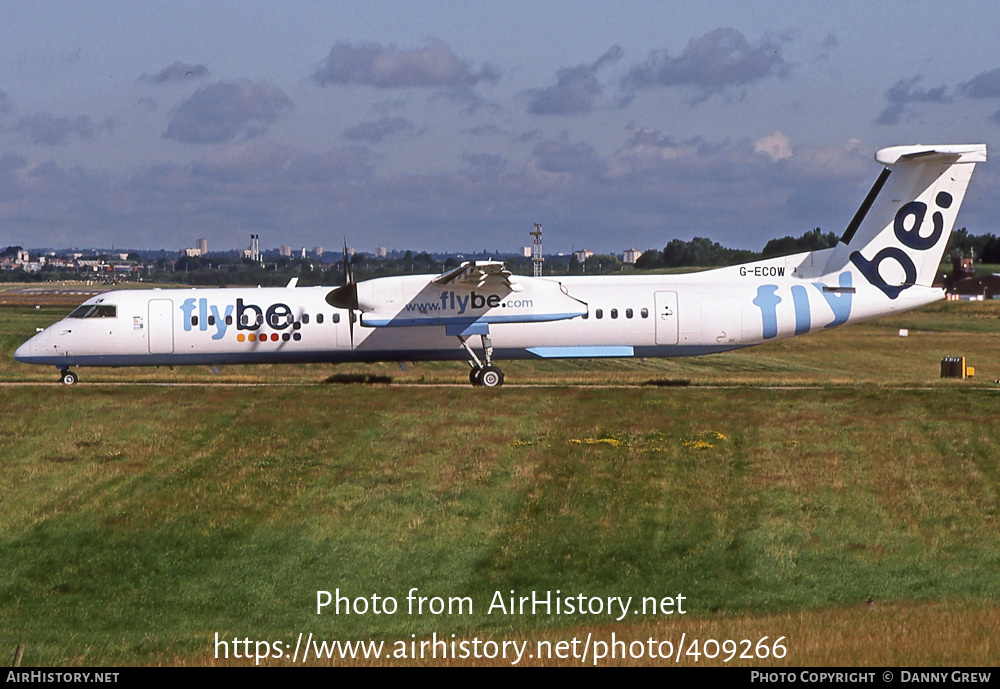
x=865 y=206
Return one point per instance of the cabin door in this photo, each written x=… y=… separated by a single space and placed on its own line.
x=161 y=326
x=666 y=318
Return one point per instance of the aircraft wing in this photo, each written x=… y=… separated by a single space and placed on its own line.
x=478 y=274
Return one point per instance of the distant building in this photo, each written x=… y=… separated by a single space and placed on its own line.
x=582 y=255
x=630 y=256
x=964 y=282
x=285 y=250
x=318 y=251
x=381 y=252
x=192 y=253
x=526 y=251
x=202 y=246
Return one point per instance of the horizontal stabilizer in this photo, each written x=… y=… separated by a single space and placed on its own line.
x=961 y=153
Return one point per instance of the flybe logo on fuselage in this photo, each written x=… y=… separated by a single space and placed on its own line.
x=839 y=299
x=248 y=316
x=460 y=302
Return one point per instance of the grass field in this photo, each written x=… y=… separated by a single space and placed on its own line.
x=140 y=520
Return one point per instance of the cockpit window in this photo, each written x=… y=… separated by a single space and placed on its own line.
x=95 y=311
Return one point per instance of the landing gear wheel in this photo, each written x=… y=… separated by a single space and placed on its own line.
x=474 y=376
x=491 y=377
x=68 y=378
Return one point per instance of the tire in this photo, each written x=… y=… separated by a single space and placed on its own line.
x=68 y=378
x=491 y=377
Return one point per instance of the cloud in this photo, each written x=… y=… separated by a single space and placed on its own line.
x=903 y=93
x=670 y=189
x=486 y=167
x=985 y=85
x=575 y=90
x=279 y=167
x=373 y=64
x=179 y=71
x=47 y=129
x=484 y=130
x=559 y=156
x=384 y=107
x=6 y=104
x=775 y=146
x=720 y=59
x=221 y=112
x=645 y=150
x=379 y=130
x=828 y=46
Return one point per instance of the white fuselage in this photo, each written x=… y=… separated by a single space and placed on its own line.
x=647 y=316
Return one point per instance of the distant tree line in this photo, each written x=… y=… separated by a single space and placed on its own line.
x=231 y=268
x=985 y=248
x=702 y=252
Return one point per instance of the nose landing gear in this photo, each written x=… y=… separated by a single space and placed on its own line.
x=67 y=377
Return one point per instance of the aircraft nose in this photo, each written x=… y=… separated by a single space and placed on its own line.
x=25 y=352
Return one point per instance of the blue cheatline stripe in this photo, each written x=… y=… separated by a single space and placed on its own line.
x=467 y=329
x=370 y=322
x=585 y=352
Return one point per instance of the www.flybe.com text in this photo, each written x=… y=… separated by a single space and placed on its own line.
x=460 y=303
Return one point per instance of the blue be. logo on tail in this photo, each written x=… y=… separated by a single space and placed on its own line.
x=906 y=226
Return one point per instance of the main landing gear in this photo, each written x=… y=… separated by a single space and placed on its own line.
x=67 y=377
x=486 y=376
x=483 y=374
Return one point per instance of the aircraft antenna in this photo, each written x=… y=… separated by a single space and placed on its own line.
x=536 y=250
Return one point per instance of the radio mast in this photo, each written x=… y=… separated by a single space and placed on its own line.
x=536 y=250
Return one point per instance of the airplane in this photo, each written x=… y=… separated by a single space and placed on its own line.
x=884 y=263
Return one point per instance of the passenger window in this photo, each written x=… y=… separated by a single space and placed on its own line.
x=628 y=313
x=336 y=318
x=194 y=320
x=319 y=318
x=229 y=320
x=211 y=320
x=305 y=318
x=586 y=315
x=614 y=313
x=644 y=313
x=599 y=313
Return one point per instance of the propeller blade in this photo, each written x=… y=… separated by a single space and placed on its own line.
x=346 y=297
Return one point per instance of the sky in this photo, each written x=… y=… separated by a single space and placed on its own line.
x=454 y=126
